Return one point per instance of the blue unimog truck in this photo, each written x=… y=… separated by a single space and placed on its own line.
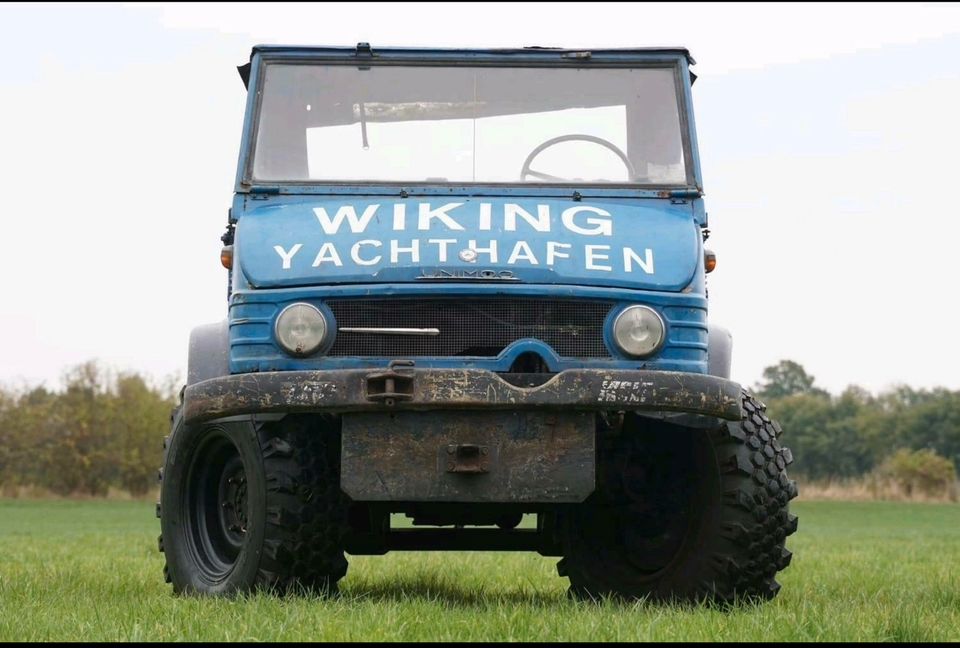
x=468 y=286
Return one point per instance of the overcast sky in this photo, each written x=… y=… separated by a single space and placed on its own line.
x=828 y=134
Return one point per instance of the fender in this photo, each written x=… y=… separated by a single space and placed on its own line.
x=719 y=350
x=209 y=355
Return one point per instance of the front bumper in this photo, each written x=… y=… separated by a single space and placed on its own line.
x=408 y=388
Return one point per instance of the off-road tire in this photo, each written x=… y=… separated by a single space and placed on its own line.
x=295 y=511
x=735 y=539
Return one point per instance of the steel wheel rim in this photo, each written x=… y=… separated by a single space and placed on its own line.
x=216 y=506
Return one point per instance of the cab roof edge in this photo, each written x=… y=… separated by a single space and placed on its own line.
x=365 y=47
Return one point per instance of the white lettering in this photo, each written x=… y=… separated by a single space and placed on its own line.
x=399 y=217
x=553 y=254
x=601 y=226
x=327 y=253
x=646 y=264
x=440 y=213
x=442 y=247
x=485 y=209
x=522 y=251
x=491 y=251
x=355 y=253
x=540 y=222
x=358 y=225
x=287 y=256
x=413 y=251
x=592 y=256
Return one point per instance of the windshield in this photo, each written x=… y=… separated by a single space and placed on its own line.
x=469 y=125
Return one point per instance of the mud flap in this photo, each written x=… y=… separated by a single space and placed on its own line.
x=469 y=456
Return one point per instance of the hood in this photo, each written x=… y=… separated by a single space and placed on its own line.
x=637 y=243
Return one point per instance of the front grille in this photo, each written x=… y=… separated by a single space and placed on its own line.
x=470 y=326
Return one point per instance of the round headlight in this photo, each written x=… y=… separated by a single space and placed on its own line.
x=638 y=331
x=301 y=329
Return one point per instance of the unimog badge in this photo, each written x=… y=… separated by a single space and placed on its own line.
x=439 y=274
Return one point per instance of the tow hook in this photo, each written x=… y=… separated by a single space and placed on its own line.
x=468 y=458
x=391 y=385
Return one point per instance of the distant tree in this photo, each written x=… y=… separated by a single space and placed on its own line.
x=79 y=449
x=931 y=423
x=140 y=421
x=8 y=440
x=922 y=471
x=786 y=378
x=24 y=425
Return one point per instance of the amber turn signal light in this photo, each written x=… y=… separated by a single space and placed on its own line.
x=709 y=260
x=226 y=256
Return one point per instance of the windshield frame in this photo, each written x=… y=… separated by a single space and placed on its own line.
x=675 y=59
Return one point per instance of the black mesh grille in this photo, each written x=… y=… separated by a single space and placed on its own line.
x=470 y=326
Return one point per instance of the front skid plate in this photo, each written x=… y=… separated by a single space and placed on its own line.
x=489 y=456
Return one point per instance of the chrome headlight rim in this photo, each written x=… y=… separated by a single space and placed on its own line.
x=325 y=339
x=655 y=349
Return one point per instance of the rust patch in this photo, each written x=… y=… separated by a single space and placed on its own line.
x=473 y=456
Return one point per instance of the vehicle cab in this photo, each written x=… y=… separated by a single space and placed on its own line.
x=509 y=210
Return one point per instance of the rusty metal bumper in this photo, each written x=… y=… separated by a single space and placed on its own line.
x=408 y=388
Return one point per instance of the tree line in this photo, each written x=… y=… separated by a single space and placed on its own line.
x=857 y=432
x=101 y=430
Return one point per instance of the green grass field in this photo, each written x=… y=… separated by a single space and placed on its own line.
x=91 y=571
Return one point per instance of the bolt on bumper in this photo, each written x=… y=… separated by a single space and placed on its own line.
x=406 y=388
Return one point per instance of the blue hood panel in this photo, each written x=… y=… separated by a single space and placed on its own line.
x=642 y=244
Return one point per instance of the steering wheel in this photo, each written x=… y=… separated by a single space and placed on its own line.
x=527 y=171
